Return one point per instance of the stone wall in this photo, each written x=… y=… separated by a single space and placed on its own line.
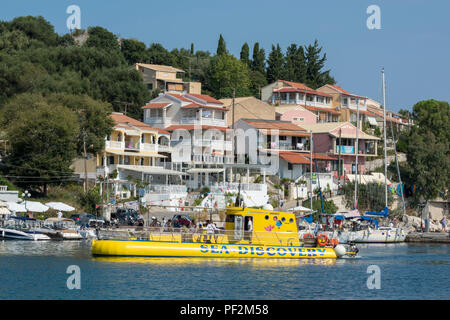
x=372 y=165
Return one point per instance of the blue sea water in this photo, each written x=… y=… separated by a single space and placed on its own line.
x=37 y=270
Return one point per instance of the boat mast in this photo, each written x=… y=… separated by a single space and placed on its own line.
x=357 y=152
x=384 y=138
x=311 y=167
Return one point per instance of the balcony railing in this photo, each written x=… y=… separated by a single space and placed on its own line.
x=345 y=149
x=114 y=144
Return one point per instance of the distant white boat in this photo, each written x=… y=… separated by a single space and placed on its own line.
x=11 y=233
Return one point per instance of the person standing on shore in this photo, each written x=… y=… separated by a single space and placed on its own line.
x=444 y=224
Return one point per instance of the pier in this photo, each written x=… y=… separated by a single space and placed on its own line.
x=428 y=237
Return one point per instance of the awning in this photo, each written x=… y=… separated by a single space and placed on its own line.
x=60 y=206
x=372 y=121
x=150 y=170
x=205 y=170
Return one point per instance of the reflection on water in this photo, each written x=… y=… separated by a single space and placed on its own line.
x=218 y=261
x=37 y=270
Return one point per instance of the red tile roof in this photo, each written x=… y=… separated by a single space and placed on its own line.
x=311 y=108
x=273 y=124
x=293 y=157
x=303 y=158
x=156 y=105
x=196 y=105
x=300 y=87
x=179 y=97
x=124 y=121
x=345 y=92
x=205 y=98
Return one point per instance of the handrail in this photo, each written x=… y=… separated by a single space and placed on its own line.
x=193 y=235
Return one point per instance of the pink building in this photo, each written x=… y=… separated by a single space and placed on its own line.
x=299 y=116
x=338 y=139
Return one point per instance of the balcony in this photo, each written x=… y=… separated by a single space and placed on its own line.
x=203 y=121
x=114 y=145
x=158 y=120
x=218 y=159
x=132 y=145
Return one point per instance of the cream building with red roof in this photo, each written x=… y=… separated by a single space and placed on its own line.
x=287 y=95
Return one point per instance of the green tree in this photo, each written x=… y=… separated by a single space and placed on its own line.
x=245 y=54
x=101 y=38
x=221 y=46
x=134 y=51
x=257 y=81
x=328 y=205
x=42 y=140
x=93 y=118
x=259 y=59
x=123 y=88
x=226 y=73
x=371 y=196
x=294 y=64
x=275 y=63
x=36 y=28
x=157 y=54
x=427 y=151
x=315 y=76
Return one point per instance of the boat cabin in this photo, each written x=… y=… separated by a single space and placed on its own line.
x=259 y=226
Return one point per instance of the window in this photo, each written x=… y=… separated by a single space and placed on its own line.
x=344 y=101
x=150 y=86
x=206 y=114
x=309 y=98
x=320 y=99
x=289 y=166
x=328 y=100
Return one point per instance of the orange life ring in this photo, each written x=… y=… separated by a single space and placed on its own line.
x=322 y=240
x=308 y=235
x=334 y=242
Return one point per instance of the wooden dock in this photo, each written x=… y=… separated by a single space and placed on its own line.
x=428 y=237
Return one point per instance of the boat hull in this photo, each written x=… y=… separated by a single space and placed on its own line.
x=374 y=236
x=145 y=248
x=9 y=234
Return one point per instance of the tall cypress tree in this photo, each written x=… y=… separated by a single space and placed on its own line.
x=221 y=47
x=192 y=49
x=315 y=77
x=294 y=64
x=245 y=54
x=259 y=59
x=275 y=64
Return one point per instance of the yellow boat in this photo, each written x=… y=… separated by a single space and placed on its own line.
x=274 y=234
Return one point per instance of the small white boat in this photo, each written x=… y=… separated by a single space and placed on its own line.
x=11 y=233
x=66 y=227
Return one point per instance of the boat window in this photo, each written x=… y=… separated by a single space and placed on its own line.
x=229 y=218
x=283 y=219
x=266 y=217
x=291 y=220
x=237 y=227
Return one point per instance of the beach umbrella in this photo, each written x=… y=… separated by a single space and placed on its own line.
x=60 y=206
x=16 y=207
x=35 y=206
x=4 y=208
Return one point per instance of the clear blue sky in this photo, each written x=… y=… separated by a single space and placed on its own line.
x=413 y=44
